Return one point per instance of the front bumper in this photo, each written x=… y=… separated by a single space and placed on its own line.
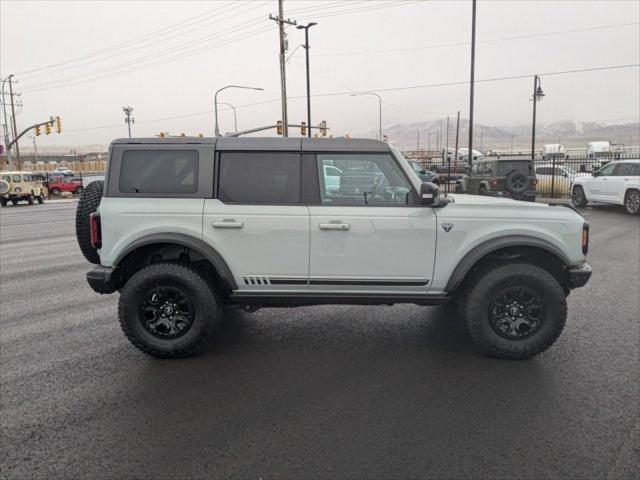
x=103 y=279
x=579 y=275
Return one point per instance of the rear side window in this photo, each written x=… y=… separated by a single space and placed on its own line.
x=259 y=178
x=159 y=171
x=622 y=170
x=635 y=169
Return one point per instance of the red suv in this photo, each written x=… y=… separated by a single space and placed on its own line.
x=61 y=183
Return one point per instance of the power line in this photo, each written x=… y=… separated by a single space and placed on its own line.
x=460 y=44
x=388 y=89
x=189 y=21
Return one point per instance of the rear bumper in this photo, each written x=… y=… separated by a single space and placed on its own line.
x=103 y=279
x=580 y=275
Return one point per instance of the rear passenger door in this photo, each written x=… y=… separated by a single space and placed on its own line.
x=257 y=221
x=617 y=183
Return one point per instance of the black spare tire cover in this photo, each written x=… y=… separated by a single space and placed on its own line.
x=88 y=203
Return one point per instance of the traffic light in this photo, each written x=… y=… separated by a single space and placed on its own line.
x=37 y=130
x=323 y=128
x=47 y=128
x=58 y=125
x=279 y=128
x=303 y=129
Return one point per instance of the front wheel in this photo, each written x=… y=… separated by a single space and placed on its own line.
x=3 y=202
x=513 y=310
x=40 y=199
x=632 y=202
x=578 y=198
x=168 y=310
x=56 y=192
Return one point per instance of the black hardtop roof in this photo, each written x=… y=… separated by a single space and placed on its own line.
x=267 y=143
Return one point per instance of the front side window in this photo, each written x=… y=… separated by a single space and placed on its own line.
x=607 y=170
x=159 y=172
x=6 y=178
x=259 y=178
x=374 y=180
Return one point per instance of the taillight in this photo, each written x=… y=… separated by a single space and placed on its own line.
x=96 y=231
x=585 y=237
x=494 y=182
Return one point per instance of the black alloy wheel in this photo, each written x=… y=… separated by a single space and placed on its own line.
x=166 y=311
x=516 y=313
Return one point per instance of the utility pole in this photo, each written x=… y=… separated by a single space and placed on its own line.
x=457 y=133
x=7 y=137
x=35 y=151
x=473 y=68
x=13 y=116
x=448 y=157
x=129 y=120
x=283 y=70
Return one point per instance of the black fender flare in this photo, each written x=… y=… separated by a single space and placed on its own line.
x=195 y=244
x=485 y=248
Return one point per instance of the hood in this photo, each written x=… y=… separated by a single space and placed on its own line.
x=464 y=199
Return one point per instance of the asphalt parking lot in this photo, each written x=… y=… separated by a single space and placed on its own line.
x=315 y=392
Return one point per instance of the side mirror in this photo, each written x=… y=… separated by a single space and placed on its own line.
x=429 y=193
x=595 y=173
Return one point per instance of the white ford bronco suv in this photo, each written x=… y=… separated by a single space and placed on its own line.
x=184 y=226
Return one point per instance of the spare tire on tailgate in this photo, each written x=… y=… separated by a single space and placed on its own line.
x=88 y=203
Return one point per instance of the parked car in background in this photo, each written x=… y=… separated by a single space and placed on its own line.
x=63 y=171
x=21 y=186
x=617 y=183
x=513 y=178
x=556 y=178
x=62 y=183
x=424 y=174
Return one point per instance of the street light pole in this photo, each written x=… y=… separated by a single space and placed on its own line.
x=215 y=101
x=471 y=83
x=235 y=115
x=537 y=96
x=306 y=47
x=380 y=110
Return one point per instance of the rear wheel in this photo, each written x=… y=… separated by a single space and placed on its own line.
x=168 y=310
x=578 y=197
x=55 y=191
x=482 y=190
x=30 y=199
x=14 y=201
x=632 y=202
x=513 y=310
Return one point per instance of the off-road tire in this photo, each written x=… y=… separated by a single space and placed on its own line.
x=578 y=197
x=14 y=201
x=486 y=283
x=55 y=192
x=87 y=204
x=482 y=190
x=30 y=199
x=40 y=199
x=78 y=191
x=3 y=202
x=207 y=306
x=632 y=202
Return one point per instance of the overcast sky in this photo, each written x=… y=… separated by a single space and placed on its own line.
x=85 y=60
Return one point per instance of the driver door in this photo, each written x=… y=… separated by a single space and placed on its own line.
x=369 y=234
x=597 y=185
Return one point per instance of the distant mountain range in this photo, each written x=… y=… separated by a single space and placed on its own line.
x=569 y=133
